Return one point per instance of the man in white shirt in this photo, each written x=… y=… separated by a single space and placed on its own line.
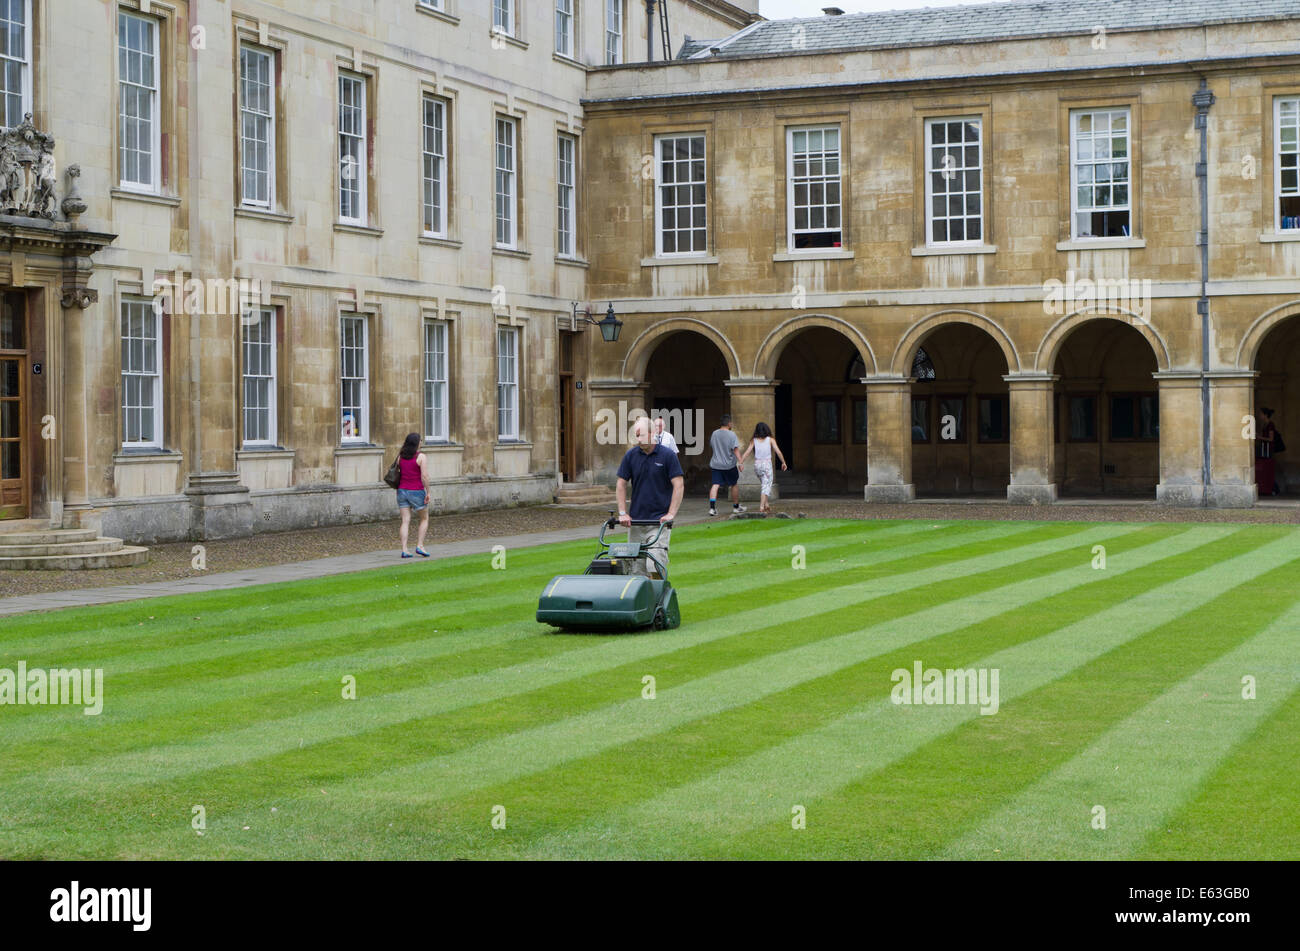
x=663 y=437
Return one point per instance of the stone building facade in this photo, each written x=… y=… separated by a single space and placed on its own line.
x=248 y=246
x=952 y=253
x=303 y=230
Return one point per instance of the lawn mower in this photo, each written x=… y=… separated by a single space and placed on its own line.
x=615 y=593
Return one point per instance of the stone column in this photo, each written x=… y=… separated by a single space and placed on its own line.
x=1180 y=438
x=752 y=402
x=1033 y=449
x=1232 y=455
x=220 y=504
x=613 y=404
x=889 y=439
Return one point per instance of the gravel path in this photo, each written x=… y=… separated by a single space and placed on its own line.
x=173 y=561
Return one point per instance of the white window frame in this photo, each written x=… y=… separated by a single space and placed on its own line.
x=660 y=185
x=24 y=70
x=613 y=32
x=432 y=4
x=503 y=17
x=154 y=31
x=809 y=180
x=267 y=117
x=505 y=183
x=961 y=168
x=565 y=34
x=1278 y=152
x=566 y=195
x=146 y=310
x=1110 y=112
x=264 y=349
x=362 y=424
x=435 y=186
x=437 y=419
x=353 y=138
x=508 y=384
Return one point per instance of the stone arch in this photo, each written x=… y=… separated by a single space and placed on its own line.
x=773 y=345
x=901 y=364
x=1061 y=330
x=643 y=347
x=1248 y=349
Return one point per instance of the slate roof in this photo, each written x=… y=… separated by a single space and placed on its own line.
x=971 y=23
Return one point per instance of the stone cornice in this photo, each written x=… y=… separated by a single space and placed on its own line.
x=697 y=96
x=58 y=237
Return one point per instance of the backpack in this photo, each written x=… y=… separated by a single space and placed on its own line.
x=1278 y=444
x=393 y=477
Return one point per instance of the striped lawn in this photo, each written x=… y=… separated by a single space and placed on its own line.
x=1120 y=687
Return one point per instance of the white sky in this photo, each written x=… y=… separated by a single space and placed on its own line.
x=778 y=9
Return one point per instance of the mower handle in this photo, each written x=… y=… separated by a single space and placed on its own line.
x=613 y=522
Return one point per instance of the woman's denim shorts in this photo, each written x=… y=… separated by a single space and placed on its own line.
x=410 y=499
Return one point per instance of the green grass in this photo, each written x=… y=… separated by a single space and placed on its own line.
x=1119 y=687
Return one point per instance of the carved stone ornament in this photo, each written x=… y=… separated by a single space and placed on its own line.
x=27 y=171
x=73 y=204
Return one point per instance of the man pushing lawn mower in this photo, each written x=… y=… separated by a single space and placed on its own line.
x=616 y=592
x=657 y=488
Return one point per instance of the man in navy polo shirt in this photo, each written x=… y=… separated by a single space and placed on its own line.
x=657 y=488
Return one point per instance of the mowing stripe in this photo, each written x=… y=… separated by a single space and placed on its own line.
x=761 y=789
x=275 y=736
x=1143 y=768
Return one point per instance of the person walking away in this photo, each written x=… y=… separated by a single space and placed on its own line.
x=762 y=445
x=413 y=492
x=1265 y=464
x=657 y=489
x=725 y=466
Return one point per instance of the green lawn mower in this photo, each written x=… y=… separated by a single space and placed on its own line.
x=615 y=593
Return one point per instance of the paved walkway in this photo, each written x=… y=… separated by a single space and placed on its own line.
x=294 y=571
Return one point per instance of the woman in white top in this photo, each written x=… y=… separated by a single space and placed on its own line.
x=762 y=445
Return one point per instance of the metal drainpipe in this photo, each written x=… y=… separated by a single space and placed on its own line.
x=649 y=31
x=1202 y=99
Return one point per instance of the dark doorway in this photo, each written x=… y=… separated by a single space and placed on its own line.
x=783 y=428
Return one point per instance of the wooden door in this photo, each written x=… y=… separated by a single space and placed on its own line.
x=14 y=480
x=566 y=400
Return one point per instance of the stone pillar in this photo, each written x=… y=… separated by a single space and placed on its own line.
x=1180 y=438
x=752 y=402
x=1232 y=456
x=613 y=405
x=221 y=505
x=889 y=439
x=1033 y=449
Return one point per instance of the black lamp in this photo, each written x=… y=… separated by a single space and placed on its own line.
x=610 y=326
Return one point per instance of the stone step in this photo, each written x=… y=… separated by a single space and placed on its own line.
x=122 y=558
x=580 y=498
x=96 y=546
x=46 y=536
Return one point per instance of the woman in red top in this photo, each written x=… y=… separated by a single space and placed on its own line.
x=413 y=492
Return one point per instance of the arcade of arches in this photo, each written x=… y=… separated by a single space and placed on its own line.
x=1091 y=411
